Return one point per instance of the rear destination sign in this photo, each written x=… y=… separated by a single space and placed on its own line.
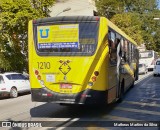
x=58 y=36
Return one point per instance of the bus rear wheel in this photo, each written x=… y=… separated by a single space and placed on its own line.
x=121 y=95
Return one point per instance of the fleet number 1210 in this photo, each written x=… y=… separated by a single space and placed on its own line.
x=43 y=65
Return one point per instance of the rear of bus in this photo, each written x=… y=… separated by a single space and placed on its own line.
x=65 y=60
x=148 y=57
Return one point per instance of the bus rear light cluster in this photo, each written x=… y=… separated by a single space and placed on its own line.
x=94 y=78
x=47 y=94
x=36 y=72
x=97 y=18
x=85 y=95
x=39 y=77
x=96 y=73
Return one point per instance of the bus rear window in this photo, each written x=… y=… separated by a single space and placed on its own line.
x=146 y=54
x=66 y=38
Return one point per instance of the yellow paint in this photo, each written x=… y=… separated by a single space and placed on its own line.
x=58 y=33
x=82 y=68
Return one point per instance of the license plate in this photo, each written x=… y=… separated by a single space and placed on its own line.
x=65 y=86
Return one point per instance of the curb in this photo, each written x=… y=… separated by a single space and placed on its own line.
x=143 y=78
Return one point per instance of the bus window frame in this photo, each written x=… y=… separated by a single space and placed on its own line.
x=63 y=53
x=127 y=56
x=117 y=37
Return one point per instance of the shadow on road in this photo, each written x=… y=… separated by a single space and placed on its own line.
x=50 y=110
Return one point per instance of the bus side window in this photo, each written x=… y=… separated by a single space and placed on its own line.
x=112 y=48
x=123 y=50
x=130 y=52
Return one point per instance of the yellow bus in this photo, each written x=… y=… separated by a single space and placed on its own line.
x=80 y=60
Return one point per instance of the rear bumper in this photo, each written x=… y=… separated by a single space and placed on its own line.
x=150 y=67
x=86 y=97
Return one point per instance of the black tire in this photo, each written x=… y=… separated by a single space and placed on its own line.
x=121 y=96
x=154 y=75
x=136 y=76
x=132 y=84
x=13 y=92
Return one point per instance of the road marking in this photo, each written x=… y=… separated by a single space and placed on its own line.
x=90 y=126
x=137 y=110
x=157 y=99
x=52 y=119
x=142 y=103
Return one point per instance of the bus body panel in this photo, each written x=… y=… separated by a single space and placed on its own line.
x=77 y=79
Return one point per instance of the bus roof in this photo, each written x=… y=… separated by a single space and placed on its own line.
x=66 y=18
x=113 y=26
x=83 y=18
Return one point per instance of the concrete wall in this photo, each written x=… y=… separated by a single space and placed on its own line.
x=78 y=7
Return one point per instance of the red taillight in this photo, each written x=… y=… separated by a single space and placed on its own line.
x=39 y=77
x=34 y=21
x=94 y=78
x=96 y=73
x=49 y=95
x=83 y=95
x=97 y=18
x=36 y=72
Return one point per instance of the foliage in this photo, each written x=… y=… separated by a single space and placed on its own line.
x=130 y=24
x=135 y=18
x=14 y=18
x=109 y=8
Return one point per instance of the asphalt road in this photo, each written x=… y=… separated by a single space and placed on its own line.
x=141 y=103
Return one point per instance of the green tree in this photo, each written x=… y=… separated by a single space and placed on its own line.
x=14 y=18
x=135 y=17
x=140 y=6
x=131 y=24
x=109 y=8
